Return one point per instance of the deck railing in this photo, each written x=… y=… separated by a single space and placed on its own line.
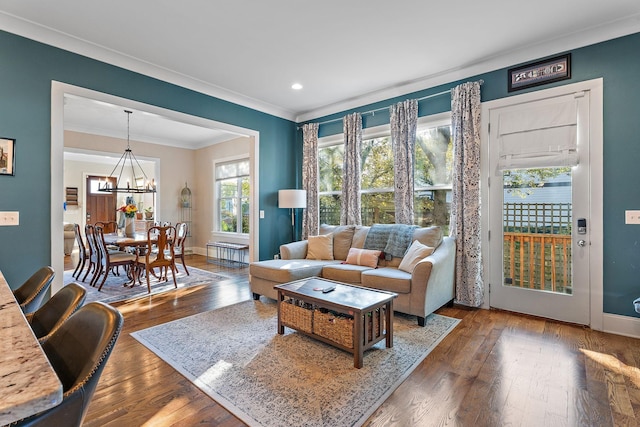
x=537 y=246
x=538 y=261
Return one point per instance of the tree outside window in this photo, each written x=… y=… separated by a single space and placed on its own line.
x=433 y=157
x=232 y=189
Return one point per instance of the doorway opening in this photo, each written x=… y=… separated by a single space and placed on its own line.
x=58 y=94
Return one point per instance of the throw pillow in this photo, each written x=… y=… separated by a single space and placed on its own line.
x=363 y=257
x=320 y=247
x=416 y=252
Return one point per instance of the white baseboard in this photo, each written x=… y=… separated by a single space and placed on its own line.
x=621 y=325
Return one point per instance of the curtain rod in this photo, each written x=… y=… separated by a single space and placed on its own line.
x=373 y=112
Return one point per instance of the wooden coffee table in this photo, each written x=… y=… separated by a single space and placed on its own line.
x=365 y=314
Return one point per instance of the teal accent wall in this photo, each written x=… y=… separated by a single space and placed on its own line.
x=26 y=73
x=28 y=68
x=618 y=63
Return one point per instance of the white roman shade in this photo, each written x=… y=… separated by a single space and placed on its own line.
x=541 y=134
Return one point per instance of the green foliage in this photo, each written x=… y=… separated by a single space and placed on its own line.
x=523 y=182
x=433 y=167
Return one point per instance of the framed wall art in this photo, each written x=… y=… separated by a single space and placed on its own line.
x=7 y=156
x=541 y=72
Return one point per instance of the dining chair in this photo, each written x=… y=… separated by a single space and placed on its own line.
x=78 y=352
x=31 y=293
x=110 y=260
x=182 y=230
x=94 y=255
x=109 y=227
x=159 y=253
x=56 y=310
x=83 y=252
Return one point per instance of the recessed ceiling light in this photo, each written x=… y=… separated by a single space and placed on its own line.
x=296 y=86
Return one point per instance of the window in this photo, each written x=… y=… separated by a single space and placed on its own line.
x=432 y=176
x=232 y=190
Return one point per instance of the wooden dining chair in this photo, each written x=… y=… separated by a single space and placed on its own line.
x=110 y=227
x=182 y=230
x=107 y=226
x=159 y=254
x=83 y=252
x=110 y=260
x=94 y=255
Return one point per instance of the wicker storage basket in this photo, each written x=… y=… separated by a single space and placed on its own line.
x=374 y=323
x=296 y=316
x=337 y=328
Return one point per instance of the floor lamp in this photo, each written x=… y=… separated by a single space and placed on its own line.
x=292 y=199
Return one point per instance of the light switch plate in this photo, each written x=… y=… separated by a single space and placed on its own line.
x=632 y=217
x=9 y=218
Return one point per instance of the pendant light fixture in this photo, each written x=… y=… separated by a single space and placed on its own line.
x=128 y=162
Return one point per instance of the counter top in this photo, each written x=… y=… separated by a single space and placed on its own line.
x=28 y=383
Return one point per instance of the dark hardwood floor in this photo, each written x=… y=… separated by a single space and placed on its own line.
x=495 y=369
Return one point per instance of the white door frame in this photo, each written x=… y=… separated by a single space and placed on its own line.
x=58 y=90
x=596 y=187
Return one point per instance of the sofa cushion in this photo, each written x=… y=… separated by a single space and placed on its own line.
x=416 y=252
x=359 y=236
x=364 y=257
x=430 y=236
x=320 y=247
x=342 y=238
x=346 y=273
x=387 y=279
x=285 y=270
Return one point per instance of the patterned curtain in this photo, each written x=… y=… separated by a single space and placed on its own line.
x=465 y=206
x=404 y=120
x=350 y=211
x=311 y=214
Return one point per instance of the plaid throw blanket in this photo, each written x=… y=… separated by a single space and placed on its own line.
x=393 y=239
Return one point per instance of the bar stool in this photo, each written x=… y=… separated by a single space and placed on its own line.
x=53 y=313
x=30 y=294
x=78 y=351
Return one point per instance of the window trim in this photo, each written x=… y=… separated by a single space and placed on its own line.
x=216 y=208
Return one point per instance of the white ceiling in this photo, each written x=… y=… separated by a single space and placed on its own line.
x=346 y=53
x=101 y=118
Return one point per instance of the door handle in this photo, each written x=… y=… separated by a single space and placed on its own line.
x=582 y=243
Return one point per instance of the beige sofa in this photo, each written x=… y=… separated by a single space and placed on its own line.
x=429 y=286
x=69 y=238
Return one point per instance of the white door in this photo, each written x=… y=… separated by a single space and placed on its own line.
x=540 y=209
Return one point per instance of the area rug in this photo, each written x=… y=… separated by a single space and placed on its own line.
x=235 y=355
x=114 y=291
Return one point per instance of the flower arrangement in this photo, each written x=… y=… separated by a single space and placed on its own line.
x=128 y=210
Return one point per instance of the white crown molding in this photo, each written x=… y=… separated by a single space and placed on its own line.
x=49 y=36
x=67 y=42
x=608 y=31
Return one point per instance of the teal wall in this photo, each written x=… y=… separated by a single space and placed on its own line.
x=26 y=72
x=29 y=67
x=618 y=63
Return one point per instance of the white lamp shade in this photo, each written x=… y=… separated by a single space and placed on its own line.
x=292 y=199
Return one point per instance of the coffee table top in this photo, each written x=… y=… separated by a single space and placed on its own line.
x=346 y=295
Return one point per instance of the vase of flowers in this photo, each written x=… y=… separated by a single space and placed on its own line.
x=129 y=212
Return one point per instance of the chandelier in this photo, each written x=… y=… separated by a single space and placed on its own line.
x=128 y=162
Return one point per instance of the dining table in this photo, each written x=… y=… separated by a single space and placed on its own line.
x=28 y=382
x=138 y=240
